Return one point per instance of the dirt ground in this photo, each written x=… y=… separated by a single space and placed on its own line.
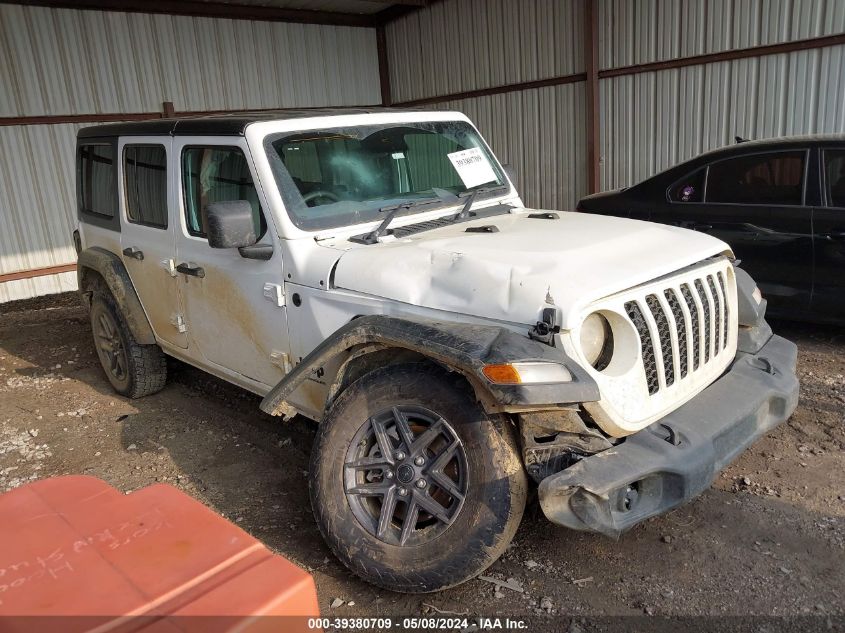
x=767 y=539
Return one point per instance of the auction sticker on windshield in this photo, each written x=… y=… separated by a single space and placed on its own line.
x=472 y=166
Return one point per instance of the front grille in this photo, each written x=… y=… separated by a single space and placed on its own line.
x=681 y=329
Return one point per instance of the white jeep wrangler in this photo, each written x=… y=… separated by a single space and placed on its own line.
x=377 y=272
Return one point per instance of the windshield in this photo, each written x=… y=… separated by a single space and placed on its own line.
x=343 y=176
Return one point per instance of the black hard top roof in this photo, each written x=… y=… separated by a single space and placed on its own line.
x=221 y=124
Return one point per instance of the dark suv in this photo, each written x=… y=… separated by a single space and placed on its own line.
x=779 y=203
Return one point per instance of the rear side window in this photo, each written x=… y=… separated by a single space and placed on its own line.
x=834 y=177
x=145 y=179
x=775 y=178
x=216 y=174
x=690 y=188
x=97 y=181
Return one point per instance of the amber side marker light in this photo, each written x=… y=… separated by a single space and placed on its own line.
x=531 y=372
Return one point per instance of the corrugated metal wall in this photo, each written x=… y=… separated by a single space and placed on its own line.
x=648 y=121
x=461 y=45
x=541 y=133
x=642 y=31
x=654 y=120
x=65 y=62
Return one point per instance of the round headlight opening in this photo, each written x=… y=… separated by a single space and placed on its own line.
x=597 y=341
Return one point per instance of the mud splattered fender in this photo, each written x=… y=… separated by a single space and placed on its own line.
x=462 y=347
x=111 y=269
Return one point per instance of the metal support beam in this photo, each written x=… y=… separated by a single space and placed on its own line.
x=210 y=10
x=383 y=65
x=37 y=272
x=591 y=63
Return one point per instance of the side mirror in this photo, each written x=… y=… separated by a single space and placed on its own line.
x=230 y=224
x=510 y=172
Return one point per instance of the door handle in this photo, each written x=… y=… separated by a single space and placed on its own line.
x=192 y=270
x=134 y=253
x=836 y=235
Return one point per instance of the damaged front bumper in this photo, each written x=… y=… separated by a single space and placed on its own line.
x=677 y=457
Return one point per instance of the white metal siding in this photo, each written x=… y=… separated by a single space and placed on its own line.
x=652 y=121
x=542 y=134
x=459 y=45
x=37 y=206
x=643 y=31
x=62 y=61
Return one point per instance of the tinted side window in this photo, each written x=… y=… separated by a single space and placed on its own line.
x=145 y=169
x=97 y=182
x=772 y=178
x=216 y=174
x=690 y=188
x=834 y=177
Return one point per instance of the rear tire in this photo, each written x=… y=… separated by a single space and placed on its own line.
x=134 y=370
x=463 y=515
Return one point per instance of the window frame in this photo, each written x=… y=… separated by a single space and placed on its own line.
x=825 y=199
x=804 y=178
x=89 y=216
x=125 y=183
x=677 y=181
x=186 y=228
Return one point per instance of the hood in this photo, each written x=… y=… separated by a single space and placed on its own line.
x=512 y=274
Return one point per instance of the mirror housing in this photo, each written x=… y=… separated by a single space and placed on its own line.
x=230 y=224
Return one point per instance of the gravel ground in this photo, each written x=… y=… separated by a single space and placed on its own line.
x=767 y=539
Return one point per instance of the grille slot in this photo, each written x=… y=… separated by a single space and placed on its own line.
x=664 y=338
x=646 y=345
x=681 y=323
x=721 y=279
x=717 y=309
x=705 y=303
x=696 y=325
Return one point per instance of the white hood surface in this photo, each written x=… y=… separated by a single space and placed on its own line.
x=511 y=275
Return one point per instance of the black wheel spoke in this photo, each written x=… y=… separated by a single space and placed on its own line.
x=403 y=428
x=432 y=507
x=369 y=463
x=440 y=462
x=446 y=484
x=388 y=507
x=427 y=437
x=375 y=489
x=410 y=523
x=382 y=439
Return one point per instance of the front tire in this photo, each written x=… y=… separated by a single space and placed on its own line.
x=134 y=370
x=414 y=487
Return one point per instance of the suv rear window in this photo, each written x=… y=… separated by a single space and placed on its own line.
x=97 y=182
x=775 y=178
x=145 y=169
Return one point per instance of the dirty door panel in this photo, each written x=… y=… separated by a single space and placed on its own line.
x=233 y=305
x=148 y=209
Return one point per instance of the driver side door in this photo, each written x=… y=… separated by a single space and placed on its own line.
x=234 y=306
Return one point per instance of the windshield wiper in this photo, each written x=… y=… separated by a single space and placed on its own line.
x=464 y=214
x=391 y=210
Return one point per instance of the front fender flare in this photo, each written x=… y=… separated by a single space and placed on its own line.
x=462 y=347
